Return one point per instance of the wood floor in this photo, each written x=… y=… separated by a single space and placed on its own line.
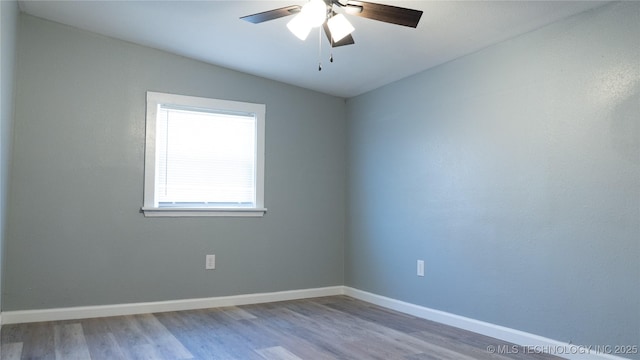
x=336 y=327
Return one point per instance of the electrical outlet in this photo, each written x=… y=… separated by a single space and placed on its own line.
x=211 y=262
x=420 y=267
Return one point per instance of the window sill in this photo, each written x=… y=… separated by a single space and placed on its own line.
x=203 y=212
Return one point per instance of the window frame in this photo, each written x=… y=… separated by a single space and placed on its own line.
x=154 y=99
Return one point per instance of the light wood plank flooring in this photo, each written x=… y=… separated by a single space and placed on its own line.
x=337 y=327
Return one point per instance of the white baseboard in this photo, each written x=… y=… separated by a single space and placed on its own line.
x=530 y=341
x=84 y=312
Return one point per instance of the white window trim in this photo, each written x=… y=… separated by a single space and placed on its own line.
x=149 y=207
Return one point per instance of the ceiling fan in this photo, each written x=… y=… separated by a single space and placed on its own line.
x=337 y=28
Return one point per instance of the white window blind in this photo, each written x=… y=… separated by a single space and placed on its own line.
x=205 y=158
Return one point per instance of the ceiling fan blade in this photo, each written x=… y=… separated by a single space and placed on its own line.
x=347 y=40
x=386 y=13
x=272 y=14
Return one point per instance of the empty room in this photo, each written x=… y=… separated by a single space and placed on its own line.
x=319 y=179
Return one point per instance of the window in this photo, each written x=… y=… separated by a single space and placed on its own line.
x=203 y=157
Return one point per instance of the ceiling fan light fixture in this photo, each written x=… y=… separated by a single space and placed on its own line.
x=339 y=27
x=299 y=27
x=314 y=12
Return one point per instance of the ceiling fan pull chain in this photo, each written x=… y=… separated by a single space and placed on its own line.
x=331 y=54
x=319 y=49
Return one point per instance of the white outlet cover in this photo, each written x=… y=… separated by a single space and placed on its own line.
x=211 y=262
x=420 y=268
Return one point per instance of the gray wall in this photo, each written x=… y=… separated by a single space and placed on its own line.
x=8 y=34
x=75 y=234
x=515 y=174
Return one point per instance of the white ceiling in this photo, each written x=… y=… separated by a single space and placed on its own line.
x=211 y=31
